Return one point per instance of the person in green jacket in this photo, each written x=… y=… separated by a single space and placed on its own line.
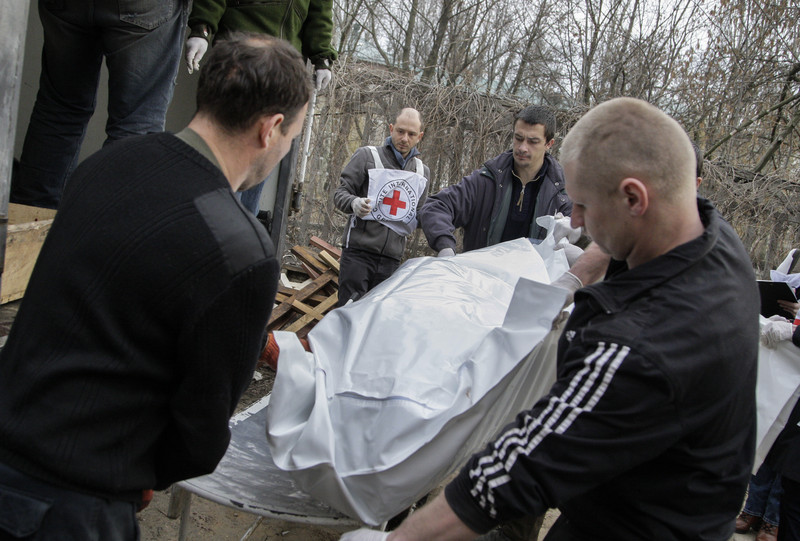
x=306 y=24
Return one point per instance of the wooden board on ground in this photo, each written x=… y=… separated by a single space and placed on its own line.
x=27 y=229
x=298 y=310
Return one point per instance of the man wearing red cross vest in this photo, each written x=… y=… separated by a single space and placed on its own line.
x=381 y=188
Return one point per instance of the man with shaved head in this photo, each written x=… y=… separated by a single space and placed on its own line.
x=381 y=189
x=648 y=432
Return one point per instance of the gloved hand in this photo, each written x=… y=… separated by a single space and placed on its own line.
x=322 y=78
x=570 y=282
x=364 y=534
x=361 y=206
x=195 y=49
x=446 y=252
x=563 y=229
x=775 y=331
x=570 y=250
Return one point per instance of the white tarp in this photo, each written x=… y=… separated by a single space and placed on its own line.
x=403 y=385
x=777 y=391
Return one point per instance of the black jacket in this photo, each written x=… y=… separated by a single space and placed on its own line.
x=649 y=429
x=140 y=327
x=480 y=203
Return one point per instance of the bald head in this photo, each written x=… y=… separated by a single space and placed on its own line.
x=626 y=137
x=406 y=131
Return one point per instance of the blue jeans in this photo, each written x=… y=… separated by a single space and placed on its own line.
x=141 y=41
x=764 y=495
x=251 y=197
x=37 y=511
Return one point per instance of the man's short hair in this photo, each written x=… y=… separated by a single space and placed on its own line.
x=408 y=110
x=538 y=114
x=247 y=76
x=627 y=137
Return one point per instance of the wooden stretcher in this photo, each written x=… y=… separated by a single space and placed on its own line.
x=247 y=479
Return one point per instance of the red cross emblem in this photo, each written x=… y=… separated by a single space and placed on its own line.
x=394 y=203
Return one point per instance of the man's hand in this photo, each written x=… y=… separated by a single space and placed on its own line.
x=361 y=206
x=563 y=229
x=570 y=282
x=591 y=266
x=364 y=534
x=195 y=49
x=322 y=79
x=775 y=331
x=570 y=250
x=790 y=307
x=446 y=252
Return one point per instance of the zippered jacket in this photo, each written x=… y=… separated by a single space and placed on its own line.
x=480 y=202
x=306 y=24
x=649 y=430
x=369 y=235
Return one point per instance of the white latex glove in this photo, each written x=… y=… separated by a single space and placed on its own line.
x=446 y=252
x=361 y=206
x=570 y=250
x=570 y=282
x=774 y=332
x=322 y=78
x=563 y=229
x=364 y=534
x=195 y=49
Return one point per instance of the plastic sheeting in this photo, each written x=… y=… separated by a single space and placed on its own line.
x=777 y=391
x=405 y=384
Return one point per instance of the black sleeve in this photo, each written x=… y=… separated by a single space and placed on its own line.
x=217 y=356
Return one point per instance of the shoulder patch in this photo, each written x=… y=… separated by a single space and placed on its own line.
x=241 y=238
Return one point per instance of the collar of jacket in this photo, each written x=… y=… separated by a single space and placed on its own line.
x=622 y=285
x=400 y=159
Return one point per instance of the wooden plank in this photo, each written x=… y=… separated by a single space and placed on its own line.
x=316 y=314
x=286 y=292
x=308 y=257
x=317 y=242
x=331 y=261
x=312 y=272
x=20 y=214
x=23 y=244
x=312 y=288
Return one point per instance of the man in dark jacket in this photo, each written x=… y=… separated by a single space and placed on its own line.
x=145 y=313
x=649 y=429
x=306 y=24
x=381 y=188
x=501 y=200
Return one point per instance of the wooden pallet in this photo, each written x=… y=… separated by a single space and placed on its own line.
x=298 y=310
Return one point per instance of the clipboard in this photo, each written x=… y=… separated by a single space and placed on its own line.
x=770 y=293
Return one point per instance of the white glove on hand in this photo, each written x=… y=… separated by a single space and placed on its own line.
x=563 y=229
x=195 y=49
x=364 y=534
x=361 y=206
x=774 y=332
x=570 y=250
x=446 y=252
x=322 y=78
x=570 y=282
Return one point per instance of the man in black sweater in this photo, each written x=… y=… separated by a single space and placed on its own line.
x=649 y=430
x=145 y=314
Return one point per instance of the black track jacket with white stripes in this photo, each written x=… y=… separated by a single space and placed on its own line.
x=648 y=432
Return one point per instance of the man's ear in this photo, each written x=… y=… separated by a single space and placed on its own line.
x=549 y=144
x=269 y=127
x=636 y=197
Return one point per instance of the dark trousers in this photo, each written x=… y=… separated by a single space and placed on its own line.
x=37 y=511
x=790 y=511
x=360 y=271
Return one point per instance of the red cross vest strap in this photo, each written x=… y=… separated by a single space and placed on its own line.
x=395 y=194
